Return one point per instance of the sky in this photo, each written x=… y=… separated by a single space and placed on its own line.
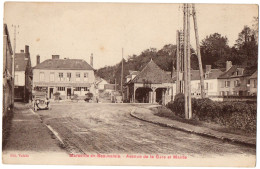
x=75 y=30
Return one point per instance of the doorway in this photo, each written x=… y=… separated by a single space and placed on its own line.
x=68 y=93
x=51 y=93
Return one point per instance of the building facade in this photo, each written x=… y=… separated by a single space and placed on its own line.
x=253 y=84
x=23 y=75
x=8 y=79
x=68 y=77
x=151 y=85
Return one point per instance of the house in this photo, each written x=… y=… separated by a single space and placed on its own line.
x=131 y=75
x=150 y=85
x=210 y=82
x=23 y=75
x=100 y=83
x=253 y=84
x=234 y=81
x=8 y=78
x=66 y=76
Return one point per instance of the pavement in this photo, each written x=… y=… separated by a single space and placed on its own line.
x=148 y=115
x=29 y=134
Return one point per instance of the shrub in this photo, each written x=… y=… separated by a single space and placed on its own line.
x=238 y=115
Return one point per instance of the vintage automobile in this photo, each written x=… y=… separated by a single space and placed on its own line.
x=40 y=100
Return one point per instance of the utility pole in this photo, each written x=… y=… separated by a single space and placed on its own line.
x=198 y=50
x=178 y=62
x=185 y=62
x=122 y=71
x=13 y=66
x=188 y=62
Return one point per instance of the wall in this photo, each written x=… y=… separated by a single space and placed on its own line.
x=36 y=76
x=21 y=78
x=253 y=90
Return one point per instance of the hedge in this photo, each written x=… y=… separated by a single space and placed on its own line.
x=237 y=115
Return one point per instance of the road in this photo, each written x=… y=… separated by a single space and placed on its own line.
x=109 y=128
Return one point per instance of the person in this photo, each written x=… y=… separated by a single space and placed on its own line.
x=47 y=101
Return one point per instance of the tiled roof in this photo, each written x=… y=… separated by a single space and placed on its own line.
x=195 y=74
x=64 y=64
x=152 y=73
x=20 y=62
x=231 y=73
x=254 y=75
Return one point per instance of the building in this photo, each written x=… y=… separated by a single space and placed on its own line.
x=253 y=84
x=23 y=75
x=234 y=81
x=100 y=83
x=8 y=80
x=66 y=76
x=210 y=82
x=151 y=85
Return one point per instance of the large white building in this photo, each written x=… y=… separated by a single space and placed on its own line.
x=66 y=76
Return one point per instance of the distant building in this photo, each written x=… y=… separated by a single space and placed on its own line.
x=150 y=85
x=253 y=84
x=100 y=83
x=8 y=80
x=66 y=76
x=210 y=82
x=23 y=75
x=234 y=81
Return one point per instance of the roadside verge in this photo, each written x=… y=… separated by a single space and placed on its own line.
x=148 y=115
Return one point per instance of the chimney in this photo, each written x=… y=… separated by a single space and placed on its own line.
x=228 y=65
x=38 y=59
x=55 y=56
x=208 y=68
x=91 y=60
x=22 y=51
x=26 y=49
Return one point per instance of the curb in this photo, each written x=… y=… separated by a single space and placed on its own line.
x=209 y=135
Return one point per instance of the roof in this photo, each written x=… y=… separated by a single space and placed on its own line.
x=6 y=32
x=64 y=64
x=254 y=75
x=195 y=74
x=20 y=62
x=152 y=73
x=231 y=72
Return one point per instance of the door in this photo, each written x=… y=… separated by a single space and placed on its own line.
x=68 y=93
x=51 y=93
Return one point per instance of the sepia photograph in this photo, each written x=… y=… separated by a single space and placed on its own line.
x=130 y=84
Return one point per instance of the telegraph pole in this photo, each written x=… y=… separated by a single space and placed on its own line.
x=198 y=50
x=122 y=70
x=178 y=62
x=185 y=63
x=188 y=62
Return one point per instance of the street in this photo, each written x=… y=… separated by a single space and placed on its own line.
x=109 y=128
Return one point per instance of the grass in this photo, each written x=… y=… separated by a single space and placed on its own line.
x=167 y=113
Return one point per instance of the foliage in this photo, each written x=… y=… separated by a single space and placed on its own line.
x=237 y=115
x=89 y=95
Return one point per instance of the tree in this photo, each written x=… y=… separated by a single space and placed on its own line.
x=246 y=47
x=214 y=50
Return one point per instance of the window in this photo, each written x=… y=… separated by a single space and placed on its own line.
x=68 y=76
x=227 y=83
x=210 y=86
x=42 y=77
x=206 y=85
x=60 y=76
x=77 y=76
x=61 y=88
x=255 y=83
x=236 y=83
x=85 y=76
x=52 y=77
x=81 y=89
